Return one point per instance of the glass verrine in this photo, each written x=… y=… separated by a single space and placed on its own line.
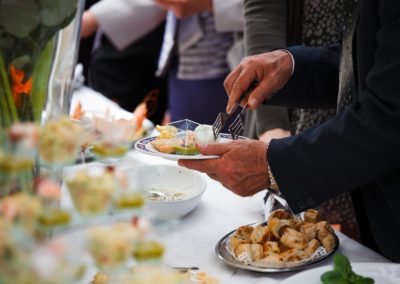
x=91 y=188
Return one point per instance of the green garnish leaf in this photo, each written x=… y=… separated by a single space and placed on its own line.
x=358 y=279
x=182 y=150
x=342 y=265
x=333 y=277
x=343 y=274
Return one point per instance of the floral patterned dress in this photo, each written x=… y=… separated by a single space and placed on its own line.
x=322 y=25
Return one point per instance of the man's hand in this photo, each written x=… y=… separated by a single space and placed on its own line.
x=186 y=8
x=242 y=167
x=89 y=24
x=272 y=70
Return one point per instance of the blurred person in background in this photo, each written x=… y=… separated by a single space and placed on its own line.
x=86 y=44
x=124 y=59
x=200 y=45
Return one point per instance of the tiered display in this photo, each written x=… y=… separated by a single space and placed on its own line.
x=52 y=243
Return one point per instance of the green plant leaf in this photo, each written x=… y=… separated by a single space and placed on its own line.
x=7 y=108
x=333 y=277
x=6 y=43
x=68 y=20
x=40 y=78
x=54 y=12
x=21 y=61
x=19 y=17
x=342 y=265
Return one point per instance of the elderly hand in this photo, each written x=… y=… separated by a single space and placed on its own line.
x=242 y=167
x=272 y=70
x=186 y=8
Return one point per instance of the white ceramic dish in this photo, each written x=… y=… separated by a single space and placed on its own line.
x=382 y=273
x=171 y=178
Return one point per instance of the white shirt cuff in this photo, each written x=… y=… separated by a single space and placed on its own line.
x=291 y=56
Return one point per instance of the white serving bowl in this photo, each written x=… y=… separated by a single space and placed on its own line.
x=171 y=178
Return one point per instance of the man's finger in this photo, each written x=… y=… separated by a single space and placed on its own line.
x=241 y=84
x=260 y=94
x=231 y=78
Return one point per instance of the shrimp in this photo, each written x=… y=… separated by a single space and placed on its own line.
x=140 y=114
x=78 y=112
x=146 y=108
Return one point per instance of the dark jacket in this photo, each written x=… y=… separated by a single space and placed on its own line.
x=360 y=148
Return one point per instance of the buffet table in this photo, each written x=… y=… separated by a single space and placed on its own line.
x=191 y=241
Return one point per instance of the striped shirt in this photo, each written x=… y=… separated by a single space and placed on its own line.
x=206 y=59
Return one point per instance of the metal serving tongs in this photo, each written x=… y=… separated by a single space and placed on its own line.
x=274 y=201
x=237 y=126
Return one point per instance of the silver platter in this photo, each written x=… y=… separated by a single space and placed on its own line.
x=224 y=255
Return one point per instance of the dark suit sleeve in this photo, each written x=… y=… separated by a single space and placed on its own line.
x=314 y=83
x=357 y=147
x=265 y=30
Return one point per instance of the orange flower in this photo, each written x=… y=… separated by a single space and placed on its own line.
x=18 y=86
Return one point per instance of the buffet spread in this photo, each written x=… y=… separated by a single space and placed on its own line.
x=108 y=230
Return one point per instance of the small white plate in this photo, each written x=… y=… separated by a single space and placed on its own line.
x=382 y=273
x=145 y=147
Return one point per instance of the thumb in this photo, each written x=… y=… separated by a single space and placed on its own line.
x=213 y=148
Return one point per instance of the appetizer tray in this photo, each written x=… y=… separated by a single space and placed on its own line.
x=223 y=252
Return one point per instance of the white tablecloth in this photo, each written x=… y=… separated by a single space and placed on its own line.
x=191 y=242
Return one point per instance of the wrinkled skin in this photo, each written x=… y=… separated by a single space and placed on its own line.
x=272 y=70
x=185 y=8
x=241 y=167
